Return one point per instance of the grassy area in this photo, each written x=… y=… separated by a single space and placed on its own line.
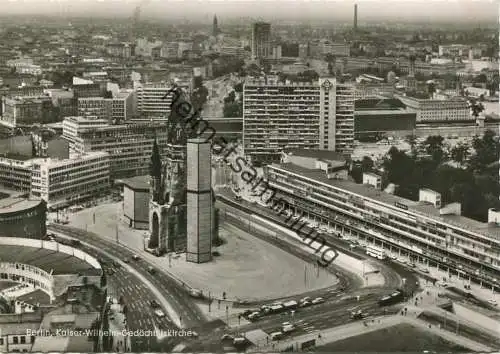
x=400 y=338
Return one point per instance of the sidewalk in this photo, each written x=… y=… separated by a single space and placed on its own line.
x=481 y=292
x=330 y=335
x=354 y=329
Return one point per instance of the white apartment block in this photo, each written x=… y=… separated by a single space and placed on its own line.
x=315 y=115
x=151 y=100
x=429 y=111
x=65 y=182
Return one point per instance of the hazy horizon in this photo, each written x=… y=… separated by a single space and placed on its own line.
x=368 y=10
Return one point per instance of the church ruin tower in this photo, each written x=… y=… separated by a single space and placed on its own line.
x=167 y=207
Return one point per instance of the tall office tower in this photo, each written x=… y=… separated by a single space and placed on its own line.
x=200 y=206
x=215 y=29
x=355 y=17
x=261 y=40
x=315 y=115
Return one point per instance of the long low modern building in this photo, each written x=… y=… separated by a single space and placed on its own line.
x=424 y=227
x=21 y=217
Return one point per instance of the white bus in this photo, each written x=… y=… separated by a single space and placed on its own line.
x=375 y=251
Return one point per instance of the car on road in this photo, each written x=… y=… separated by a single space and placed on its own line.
x=126 y=260
x=159 y=313
x=288 y=328
x=247 y=312
x=226 y=337
x=254 y=316
x=276 y=335
x=352 y=246
x=394 y=258
x=424 y=270
x=318 y=300
x=154 y=304
x=307 y=298
x=493 y=302
x=151 y=270
x=136 y=257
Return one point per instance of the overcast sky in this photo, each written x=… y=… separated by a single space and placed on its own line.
x=473 y=10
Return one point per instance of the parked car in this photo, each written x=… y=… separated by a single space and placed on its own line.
x=154 y=304
x=318 y=300
x=159 y=313
x=305 y=303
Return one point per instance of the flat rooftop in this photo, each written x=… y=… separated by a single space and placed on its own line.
x=48 y=260
x=14 y=204
x=421 y=208
x=139 y=183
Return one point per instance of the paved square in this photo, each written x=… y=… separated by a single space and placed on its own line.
x=248 y=268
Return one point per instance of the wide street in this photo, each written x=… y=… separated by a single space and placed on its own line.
x=136 y=296
x=190 y=315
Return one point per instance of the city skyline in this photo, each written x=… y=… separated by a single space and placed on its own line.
x=462 y=11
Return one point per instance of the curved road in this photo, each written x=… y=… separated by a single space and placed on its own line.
x=191 y=315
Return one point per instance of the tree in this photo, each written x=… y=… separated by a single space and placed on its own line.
x=238 y=87
x=476 y=108
x=433 y=146
x=486 y=151
x=233 y=110
x=459 y=153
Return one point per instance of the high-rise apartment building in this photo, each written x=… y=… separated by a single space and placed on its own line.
x=315 y=115
x=261 y=40
x=200 y=204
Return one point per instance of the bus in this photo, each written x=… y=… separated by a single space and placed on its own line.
x=375 y=251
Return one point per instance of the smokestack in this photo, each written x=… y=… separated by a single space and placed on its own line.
x=355 y=17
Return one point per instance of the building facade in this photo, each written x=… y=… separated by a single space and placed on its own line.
x=422 y=229
x=152 y=100
x=26 y=110
x=65 y=182
x=436 y=111
x=136 y=202
x=25 y=218
x=261 y=40
x=129 y=145
x=15 y=174
x=316 y=115
x=200 y=201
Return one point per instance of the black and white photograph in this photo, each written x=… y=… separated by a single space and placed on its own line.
x=249 y=176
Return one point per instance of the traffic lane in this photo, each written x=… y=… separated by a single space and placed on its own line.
x=303 y=326
x=311 y=312
x=140 y=315
x=190 y=316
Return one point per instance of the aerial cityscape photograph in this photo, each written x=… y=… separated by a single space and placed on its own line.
x=261 y=176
